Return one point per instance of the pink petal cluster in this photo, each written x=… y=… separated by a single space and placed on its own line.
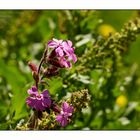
x=66 y=113
x=38 y=101
x=63 y=51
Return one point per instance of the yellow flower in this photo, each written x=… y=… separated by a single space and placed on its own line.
x=105 y=30
x=121 y=101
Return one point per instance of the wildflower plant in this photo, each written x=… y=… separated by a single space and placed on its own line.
x=104 y=63
x=46 y=112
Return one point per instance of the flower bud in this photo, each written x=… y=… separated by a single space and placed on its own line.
x=32 y=66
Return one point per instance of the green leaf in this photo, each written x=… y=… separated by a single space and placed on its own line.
x=17 y=82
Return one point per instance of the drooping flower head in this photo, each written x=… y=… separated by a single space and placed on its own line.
x=64 y=52
x=38 y=101
x=65 y=115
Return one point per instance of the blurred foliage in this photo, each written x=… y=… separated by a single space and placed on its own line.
x=108 y=64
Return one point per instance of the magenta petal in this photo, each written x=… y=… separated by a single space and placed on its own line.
x=74 y=58
x=65 y=63
x=65 y=106
x=64 y=122
x=65 y=44
x=31 y=101
x=52 y=44
x=66 y=50
x=70 y=110
x=59 y=51
x=39 y=105
x=66 y=47
x=46 y=98
x=68 y=64
x=71 y=50
x=34 y=88
x=45 y=93
x=69 y=43
x=47 y=102
x=33 y=91
x=59 y=117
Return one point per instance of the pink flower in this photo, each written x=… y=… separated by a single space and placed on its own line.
x=66 y=113
x=38 y=101
x=63 y=51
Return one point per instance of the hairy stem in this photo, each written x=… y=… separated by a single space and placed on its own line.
x=42 y=59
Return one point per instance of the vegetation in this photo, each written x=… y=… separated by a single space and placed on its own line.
x=108 y=66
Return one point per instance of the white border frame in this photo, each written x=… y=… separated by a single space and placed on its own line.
x=70 y=135
x=69 y=4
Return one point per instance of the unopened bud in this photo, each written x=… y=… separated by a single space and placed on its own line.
x=32 y=66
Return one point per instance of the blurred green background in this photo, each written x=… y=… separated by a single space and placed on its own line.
x=115 y=102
